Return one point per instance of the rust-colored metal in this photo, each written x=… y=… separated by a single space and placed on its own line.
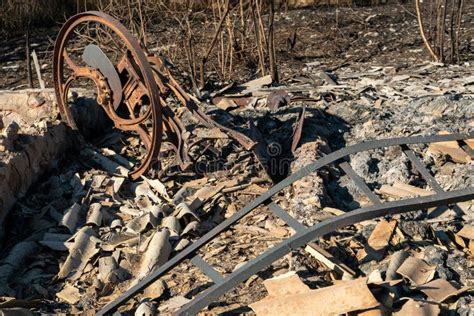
x=298 y=129
x=191 y=105
x=135 y=87
x=145 y=84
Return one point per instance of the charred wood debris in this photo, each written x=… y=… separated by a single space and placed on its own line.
x=90 y=231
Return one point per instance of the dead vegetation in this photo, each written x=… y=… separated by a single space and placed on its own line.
x=443 y=17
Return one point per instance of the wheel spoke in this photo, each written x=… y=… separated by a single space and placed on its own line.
x=97 y=27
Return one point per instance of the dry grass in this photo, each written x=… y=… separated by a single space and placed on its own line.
x=16 y=16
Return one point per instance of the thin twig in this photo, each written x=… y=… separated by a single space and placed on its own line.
x=451 y=33
x=458 y=28
x=213 y=42
x=28 y=58
x=271 y=43
x=443 y=25
x=261 y=60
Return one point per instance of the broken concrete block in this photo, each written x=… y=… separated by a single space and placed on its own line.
x=35 y=101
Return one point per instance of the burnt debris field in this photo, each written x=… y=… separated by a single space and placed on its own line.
x=237 y=157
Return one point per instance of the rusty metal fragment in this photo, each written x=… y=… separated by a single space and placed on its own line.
x=298 y=129
x=278 y=99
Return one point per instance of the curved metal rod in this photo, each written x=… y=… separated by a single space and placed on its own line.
x=188 y=252
x=134 y=46
x=300 y=239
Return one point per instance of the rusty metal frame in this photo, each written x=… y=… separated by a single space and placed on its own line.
x=61 y=85
x=151 y=78
x=304 y=235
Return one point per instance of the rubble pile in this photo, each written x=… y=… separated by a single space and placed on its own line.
x=96 y=233
x=31 y=143
x=80 y=235
x=92 y=233
x=378 y=107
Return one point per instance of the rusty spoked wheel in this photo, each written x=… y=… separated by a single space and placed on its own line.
x=127 y=90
